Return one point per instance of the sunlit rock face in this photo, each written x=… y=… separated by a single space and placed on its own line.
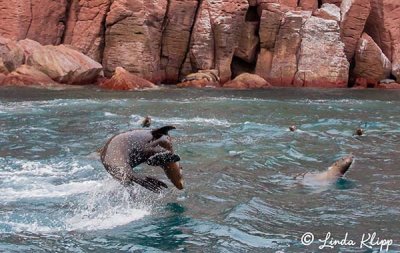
x=286 y=42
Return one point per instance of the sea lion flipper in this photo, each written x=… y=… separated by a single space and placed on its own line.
x=150 y=183
x=163 y=158
x=157 y=133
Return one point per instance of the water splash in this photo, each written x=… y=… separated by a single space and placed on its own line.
x=108 y=206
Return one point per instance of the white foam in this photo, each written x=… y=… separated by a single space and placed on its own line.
x=103 y=204
x=137 y=119
x=106 y=220
x=110 y=114
x=34 y=180
x=32 y=170
x=198 y=120
x=47 y=190
x=33 y=227
x=109 y=206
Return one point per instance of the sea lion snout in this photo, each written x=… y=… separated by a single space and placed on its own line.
x=174 y=173
x=343 y=164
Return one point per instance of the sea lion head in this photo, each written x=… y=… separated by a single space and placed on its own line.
x=173 y=170
x=174 y=173
x=359 y=131
x=342 y=165
x=146 y=121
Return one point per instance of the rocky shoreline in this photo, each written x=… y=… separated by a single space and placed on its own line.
x=238 y=44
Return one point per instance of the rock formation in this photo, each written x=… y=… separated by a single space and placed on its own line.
x=383 y=26
x=45 y=64
x=371 y=63
x=336 y=2
x=354 y=17
x=39 y=20
x=29 y=76
x=328 y=11
x=247 y=81
x=286 y=42
x=64 y=64
x=330 y=68
x=133 y=37
x=177 y=28
x=11 y=55
x=216 y=35
x=201 y=79
x=87 y=17
x=123 y=80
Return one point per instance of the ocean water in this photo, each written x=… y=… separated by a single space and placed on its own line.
x=239 y=161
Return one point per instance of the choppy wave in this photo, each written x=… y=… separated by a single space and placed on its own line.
x=109 y=205
x=195 y=120
x=94 y=204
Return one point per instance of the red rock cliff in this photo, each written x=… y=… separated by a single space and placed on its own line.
x=314 y=43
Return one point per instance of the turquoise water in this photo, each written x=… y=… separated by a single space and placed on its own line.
x=239 y=159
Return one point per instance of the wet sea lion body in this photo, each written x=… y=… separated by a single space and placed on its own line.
x=125 y=151
x=334 y=172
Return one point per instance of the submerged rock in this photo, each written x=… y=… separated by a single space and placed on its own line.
x=123 y=80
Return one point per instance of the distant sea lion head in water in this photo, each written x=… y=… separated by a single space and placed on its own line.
x=125 y=151
x=359 y=131
x=146 y=121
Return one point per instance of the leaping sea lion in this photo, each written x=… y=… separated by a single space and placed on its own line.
x=334 y=172
x=125 y=151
